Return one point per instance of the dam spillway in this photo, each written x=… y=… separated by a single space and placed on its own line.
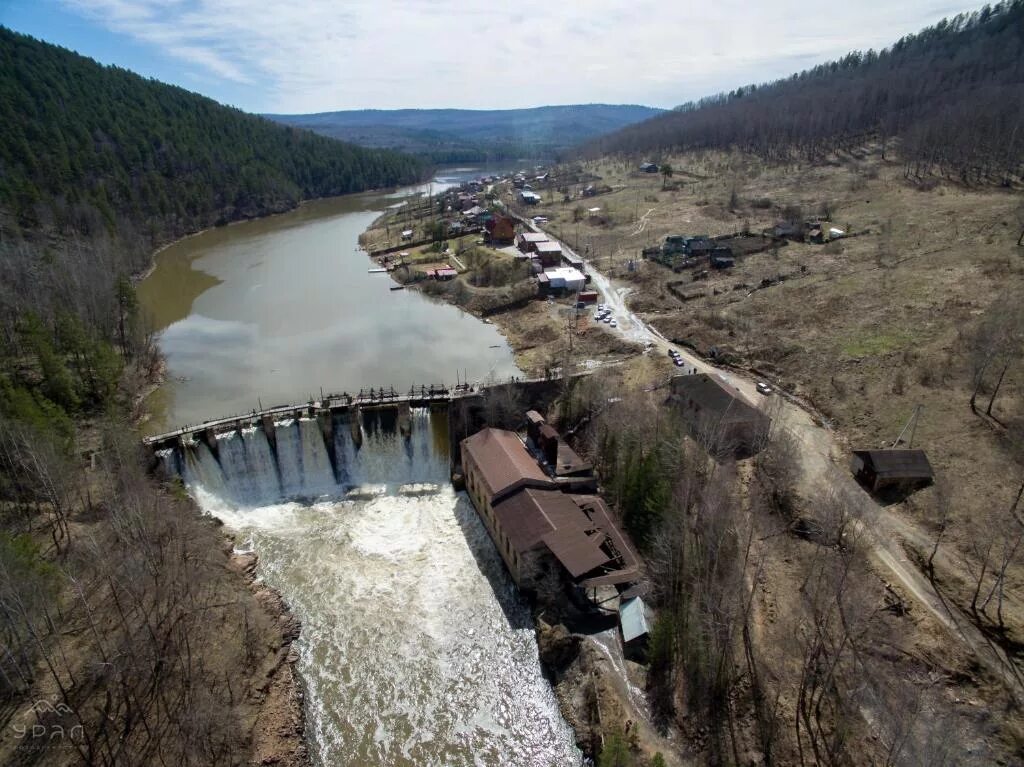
x=415 y=648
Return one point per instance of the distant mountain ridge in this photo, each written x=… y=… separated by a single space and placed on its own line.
x=468 y=134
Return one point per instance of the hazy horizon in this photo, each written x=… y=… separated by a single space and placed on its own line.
x=322 y=57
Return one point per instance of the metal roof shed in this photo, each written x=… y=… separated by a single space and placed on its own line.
x=633 y=619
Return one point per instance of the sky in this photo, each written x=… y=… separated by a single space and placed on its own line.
x=324 y=55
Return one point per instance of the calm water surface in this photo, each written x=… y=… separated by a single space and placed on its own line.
x=268 y=312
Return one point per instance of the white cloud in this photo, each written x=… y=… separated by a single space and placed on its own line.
x=321 y=55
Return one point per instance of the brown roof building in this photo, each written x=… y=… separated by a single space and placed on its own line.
x=498 y=459
x=501 y=230
x=532 y=523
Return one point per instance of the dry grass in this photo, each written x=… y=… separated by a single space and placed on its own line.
x=865 y=328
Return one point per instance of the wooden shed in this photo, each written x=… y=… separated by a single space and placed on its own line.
x=904 y=470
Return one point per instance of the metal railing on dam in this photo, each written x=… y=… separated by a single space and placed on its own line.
x=416 y=396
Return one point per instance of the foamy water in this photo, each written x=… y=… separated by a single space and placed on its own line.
x=415 y=649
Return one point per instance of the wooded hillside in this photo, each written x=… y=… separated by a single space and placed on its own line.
x=84 y=145
x=953 y=95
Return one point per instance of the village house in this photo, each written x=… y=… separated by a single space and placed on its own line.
x=529 y=198
x=549 y=253
x=527 y=241
x=544 y=536
x=501 y=230
x=719 y=416
x=648 y=167
x=565 y=279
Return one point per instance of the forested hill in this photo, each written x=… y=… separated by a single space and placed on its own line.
x=473 y=135
x=953 y=95
x=86 y=146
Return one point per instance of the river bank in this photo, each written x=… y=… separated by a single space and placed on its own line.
x=278 y=730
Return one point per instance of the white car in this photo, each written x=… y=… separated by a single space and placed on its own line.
x=614 y=324
x=764 y=388
x=607 y=319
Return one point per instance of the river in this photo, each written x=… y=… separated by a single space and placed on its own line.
x=271 y=311
x=415 y=647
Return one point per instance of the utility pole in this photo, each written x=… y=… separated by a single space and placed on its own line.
x=912 y=425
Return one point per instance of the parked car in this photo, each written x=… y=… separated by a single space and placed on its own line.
x=764 y=388
x=678 y=362
x=614 y=324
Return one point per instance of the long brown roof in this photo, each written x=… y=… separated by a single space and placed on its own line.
x=531 y=517
x=503 y=460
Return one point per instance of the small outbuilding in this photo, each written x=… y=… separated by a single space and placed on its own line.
x=634 y=624
x=899 y=470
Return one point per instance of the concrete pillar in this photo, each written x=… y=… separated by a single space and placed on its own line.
x=404 y=420
x=267 y=422
x=210 y=438
x=325 y=419
x=355 y=423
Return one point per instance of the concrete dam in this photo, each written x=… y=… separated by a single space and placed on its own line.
x=415 y=647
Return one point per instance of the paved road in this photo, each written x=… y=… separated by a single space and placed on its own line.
x=824 y=465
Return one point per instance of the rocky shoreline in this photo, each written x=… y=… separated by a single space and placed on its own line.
x=278 y=732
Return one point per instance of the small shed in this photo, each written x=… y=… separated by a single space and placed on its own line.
x=901 y=470
x=543 y=284
x=648 y=167
x=634 y=625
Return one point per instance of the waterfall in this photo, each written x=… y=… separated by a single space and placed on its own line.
x=318 y=476
x=261 y=463
x=237 y=477
x=289 y=457
x=202 y=470
x=248 y=469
